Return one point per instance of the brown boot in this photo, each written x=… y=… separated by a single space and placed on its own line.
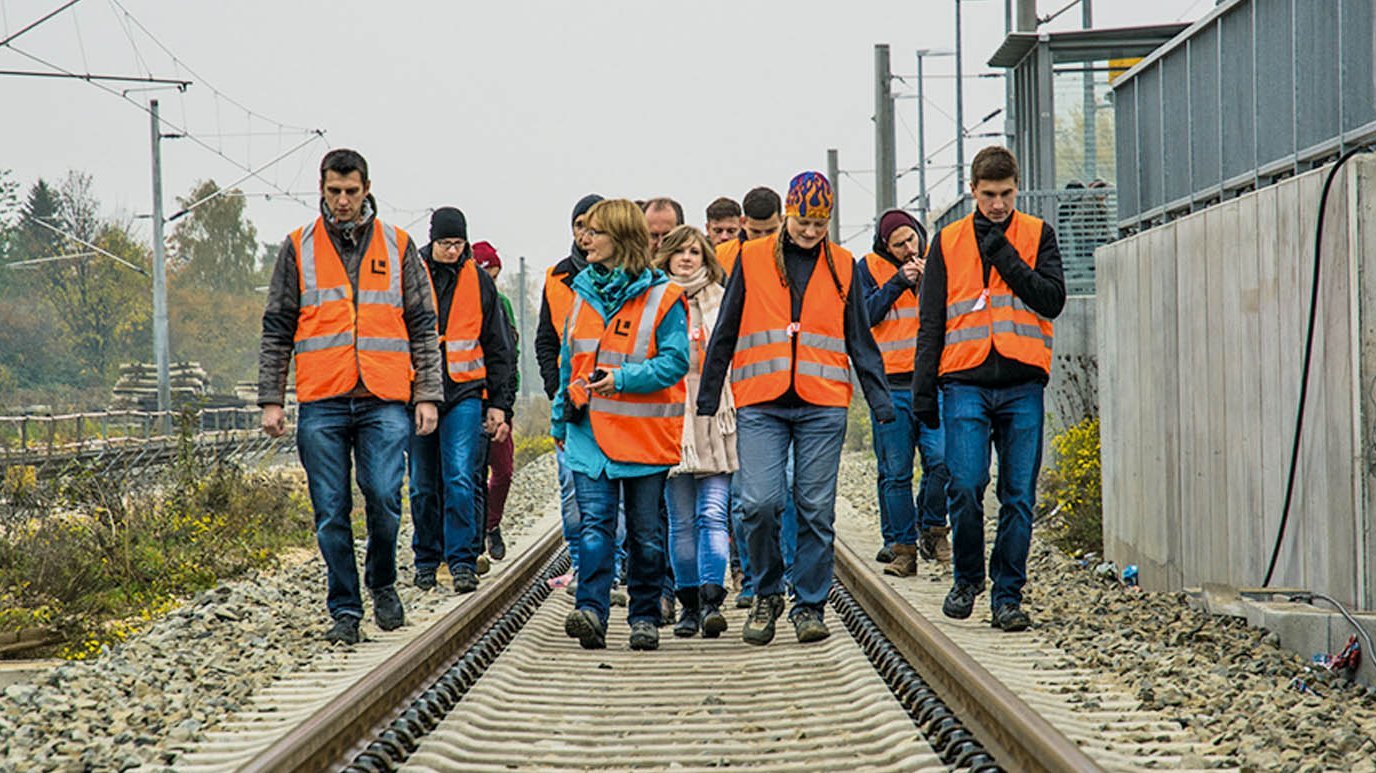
x=904 y=562
x=934 y=544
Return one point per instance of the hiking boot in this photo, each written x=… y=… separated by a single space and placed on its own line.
x=465 y=580
x=744 y=600
x=884 y=555
x=960 y=600
x=387 y=609
x=345 y=631
x=425 y=579
x=688 y=619
x=713 y=621
x=759 y=626
x=904 y=562
x=616 y=598
x=644 y=635
x=933 y=545
x=583 y=625
x=809 y=626
x=666 y=610
x=1010 y=617
x=496 y=547
x=482 y=565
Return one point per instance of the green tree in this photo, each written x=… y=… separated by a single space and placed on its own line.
x=215 y=245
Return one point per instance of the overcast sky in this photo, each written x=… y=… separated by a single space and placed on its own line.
x=510 y=111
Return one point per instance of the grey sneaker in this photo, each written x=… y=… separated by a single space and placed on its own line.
x=1010 y=617
x=345 y=631
x=387 y=609
x=961 y=600
x=644 y=635
x=759 y=626
x=425 y=579
x=465 y=580
x=809 y=626
x=583 y=625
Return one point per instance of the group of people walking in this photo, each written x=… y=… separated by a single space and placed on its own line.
x=699 y=389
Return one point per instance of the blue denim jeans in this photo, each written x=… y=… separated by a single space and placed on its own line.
x=330 y=435
x=599 y=500
x=931 y=489
x=697 y=528
x=788 y=529
x=894 y=445
x=1011 y=418
x=445 y=467
x=816 y=433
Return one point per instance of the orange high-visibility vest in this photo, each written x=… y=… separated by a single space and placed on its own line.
x=559 y=298
x=341 y=339
x=896 y=334
x=979 y=318
x=773 y=351
x=463 y=353
x=640 y=428
x=728 y=252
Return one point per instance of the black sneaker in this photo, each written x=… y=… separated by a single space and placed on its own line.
x=387 y=609
x=759 y=626
x=1010 y=617
x=425 y=579
x=495 y=546
x=583 y=625
x=345 y=631
x=809 y=626
x=885 y=554
x=465 y=580
x=744 y=600
x=644 y=635
x=961 y=600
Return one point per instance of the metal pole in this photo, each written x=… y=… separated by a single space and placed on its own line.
x=1091 y=165
x=521 y=326
x=885 y=163
x=1027 y=15
x=922 y=202
x=1009 y=122
x=833 y=174
x=960 y=112
x=160 y=353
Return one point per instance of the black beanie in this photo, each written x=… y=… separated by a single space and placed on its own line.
x=448 y=223
x=584 y=204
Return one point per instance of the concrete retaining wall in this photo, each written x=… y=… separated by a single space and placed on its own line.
x=1201 y=326
x=1073 y=391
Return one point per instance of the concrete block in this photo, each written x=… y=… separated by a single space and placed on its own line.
x=1302 y=628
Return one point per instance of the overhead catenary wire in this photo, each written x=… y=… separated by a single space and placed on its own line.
x=34 y=24
x=87 y=244
x=252 y=173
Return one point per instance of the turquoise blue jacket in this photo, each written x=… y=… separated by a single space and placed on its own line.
x=666 y=368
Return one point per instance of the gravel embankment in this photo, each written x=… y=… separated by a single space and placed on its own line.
x=138 y=705
x=1225 y=682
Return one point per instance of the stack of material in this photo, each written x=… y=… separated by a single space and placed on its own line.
x=137 y=387
x=248 y=391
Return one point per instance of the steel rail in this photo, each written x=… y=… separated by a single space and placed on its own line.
x=333 y=735
x=1016 y=735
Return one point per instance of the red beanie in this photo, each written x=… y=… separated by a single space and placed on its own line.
x=485 y=255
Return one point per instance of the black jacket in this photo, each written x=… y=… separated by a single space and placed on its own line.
x=878 y=300
x=860 y=346
x=546 y=332
x=1042 y=289
x=284 y=309
x=499 y=355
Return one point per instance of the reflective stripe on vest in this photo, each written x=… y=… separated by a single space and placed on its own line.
x=628 y=427
x=343 y=337
x=773 y=352
x=463 y=354
x=980 y=318
x=896 y=333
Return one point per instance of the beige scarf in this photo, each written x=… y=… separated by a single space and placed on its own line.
x=709 y=442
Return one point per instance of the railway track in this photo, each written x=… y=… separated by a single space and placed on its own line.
x=494 y=684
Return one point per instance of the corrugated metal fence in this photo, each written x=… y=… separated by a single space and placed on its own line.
x=1255 y=92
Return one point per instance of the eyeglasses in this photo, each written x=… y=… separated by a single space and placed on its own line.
x=593 y=232
x=450 y=244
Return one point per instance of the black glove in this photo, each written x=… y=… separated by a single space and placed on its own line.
x=931 y=419
x=993 y=245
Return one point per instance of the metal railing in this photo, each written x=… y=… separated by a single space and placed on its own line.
x=128 y=440
x=1254 y=92
x=1083 y=219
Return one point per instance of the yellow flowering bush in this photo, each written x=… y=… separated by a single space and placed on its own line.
x=1072 y=488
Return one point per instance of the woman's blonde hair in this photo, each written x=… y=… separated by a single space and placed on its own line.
x=681 y=237
x=623 y=221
